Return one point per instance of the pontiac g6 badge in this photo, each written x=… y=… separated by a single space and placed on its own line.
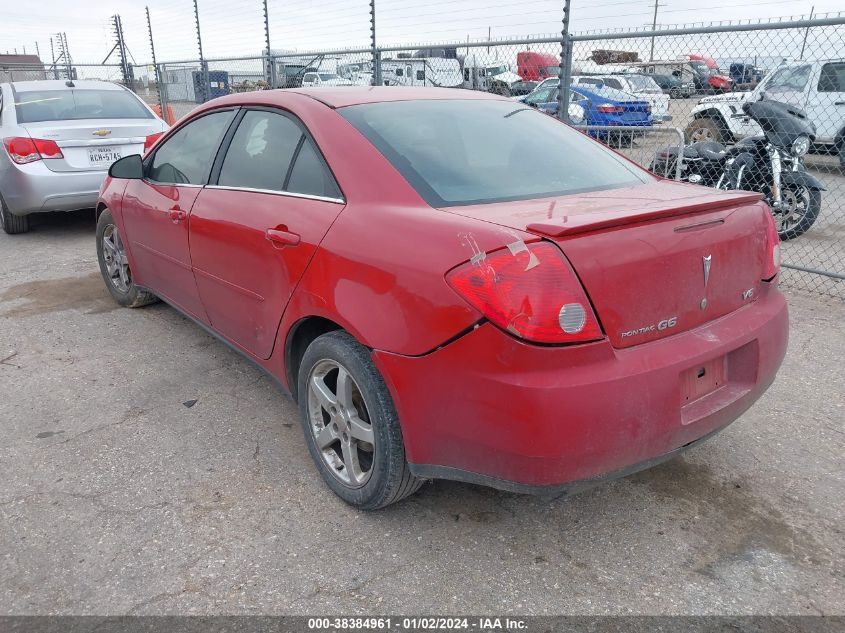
x=707 y=261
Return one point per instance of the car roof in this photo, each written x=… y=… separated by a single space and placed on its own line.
x=342 y=96
x=61 y=84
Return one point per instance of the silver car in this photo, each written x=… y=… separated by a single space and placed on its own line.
x=59 y=139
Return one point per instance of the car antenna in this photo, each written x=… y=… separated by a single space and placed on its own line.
x=69 y=83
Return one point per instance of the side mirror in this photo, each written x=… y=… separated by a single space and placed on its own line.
x=129 y=167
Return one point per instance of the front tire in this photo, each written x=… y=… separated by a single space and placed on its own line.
x=350 y=424
x=801 y=207
x=705 y=129
x=114 y=265
x=12 y=224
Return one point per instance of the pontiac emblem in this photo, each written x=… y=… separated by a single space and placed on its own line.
x=706 y=261
x=101 y=132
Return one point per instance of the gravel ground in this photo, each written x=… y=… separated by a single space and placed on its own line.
x=118 y=497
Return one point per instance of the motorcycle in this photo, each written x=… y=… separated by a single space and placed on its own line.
x=772 y=164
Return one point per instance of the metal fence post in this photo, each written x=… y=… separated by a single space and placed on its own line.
x=376 y=52
x=565 y=65
x=162 y=103
x=269 y=65
x=204 y=88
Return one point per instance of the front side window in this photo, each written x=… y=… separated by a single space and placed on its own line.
x=461 y=152
x=791 y=78
x=70 y=105
x=186 y=157
x=260 y=152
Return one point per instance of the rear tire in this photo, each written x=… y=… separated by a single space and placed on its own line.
x=12 y=224
x=111 y=254
x=705 y=129
x=352 y=433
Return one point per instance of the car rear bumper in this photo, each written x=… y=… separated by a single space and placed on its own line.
x=33 y=188
x=491 y=409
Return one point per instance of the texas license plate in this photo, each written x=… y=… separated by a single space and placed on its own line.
x=103 y=156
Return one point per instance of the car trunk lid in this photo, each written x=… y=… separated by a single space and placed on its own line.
x=92 y=145
x=655 y=260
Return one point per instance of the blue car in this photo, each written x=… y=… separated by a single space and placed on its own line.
x=600 y=106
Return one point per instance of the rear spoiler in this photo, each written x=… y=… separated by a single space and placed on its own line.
x=583 y=223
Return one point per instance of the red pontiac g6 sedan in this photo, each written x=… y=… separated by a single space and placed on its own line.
x=452 y=285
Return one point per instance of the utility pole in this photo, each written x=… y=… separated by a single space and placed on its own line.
x=653 y=28
x=806 y=33
x=66 y=51
x=120 y=44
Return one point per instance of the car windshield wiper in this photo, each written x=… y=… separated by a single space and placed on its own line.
x=518 y=111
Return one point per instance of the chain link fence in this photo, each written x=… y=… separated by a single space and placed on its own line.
x=672 y=100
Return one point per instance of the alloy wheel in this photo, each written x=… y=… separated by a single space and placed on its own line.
x=792 y=210
x=114 y=255
x=340 y=423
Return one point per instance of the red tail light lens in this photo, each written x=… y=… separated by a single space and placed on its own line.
x=24 y=150
x=772 y=263
x=610 y=109
x=151 y=140
x=530 y=291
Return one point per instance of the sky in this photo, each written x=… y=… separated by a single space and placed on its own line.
x=236 y=27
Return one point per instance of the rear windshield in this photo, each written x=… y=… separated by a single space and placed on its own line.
x=70 y=105
x=456 y=152
x=641 y=82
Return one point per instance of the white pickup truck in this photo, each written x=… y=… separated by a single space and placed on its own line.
x=817 y=87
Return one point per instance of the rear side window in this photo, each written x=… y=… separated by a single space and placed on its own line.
x=72 y=105
x=309 y=175
x=186 y=157
x=261 y=152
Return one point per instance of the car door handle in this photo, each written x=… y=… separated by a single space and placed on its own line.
x=176 y=215
x=280 y=236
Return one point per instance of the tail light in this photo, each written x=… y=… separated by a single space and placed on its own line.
x=24 y=150
x=531 y=291
x=772 y=263
x=610 y=109
x=151 y=140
